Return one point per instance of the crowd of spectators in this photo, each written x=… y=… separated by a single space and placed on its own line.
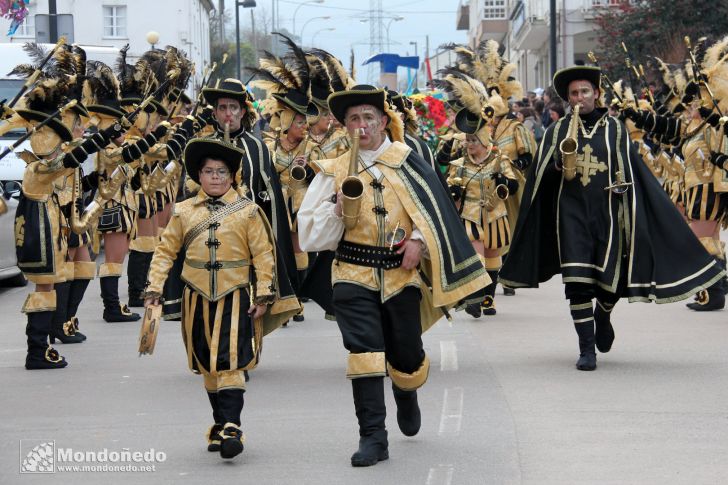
x=538 y=110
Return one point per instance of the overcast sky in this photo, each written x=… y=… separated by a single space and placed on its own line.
x=435 y=18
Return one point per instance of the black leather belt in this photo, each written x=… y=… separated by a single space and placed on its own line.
x=370 y=256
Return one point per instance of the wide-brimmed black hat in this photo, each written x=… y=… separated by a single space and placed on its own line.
x=565 y=76
x=398 y=100
x=229 y=88
x=298 y=102
x=200 y=149
x=108 y=106
x=178 y=95
x=467 y=122
x=360 y=94
x=56 y=123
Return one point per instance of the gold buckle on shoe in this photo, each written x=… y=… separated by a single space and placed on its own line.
x=52 y=355
x=69 y=329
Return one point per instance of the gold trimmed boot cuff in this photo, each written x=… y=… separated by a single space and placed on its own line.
x=301 y=261
x=410 y=382
x=143 y=244
x=39 y=301
x=493 y=264
x=109 y=269
x=67 y=271
x=84 y=270
x=366 y=364
x=224 y=380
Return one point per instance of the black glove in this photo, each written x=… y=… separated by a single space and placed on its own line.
x=112 y=132
x=5 y=112
x=632 y=114
x=176 y=145
x=523 y=162
x=134 y=151
x=90 y=182
x=158 y=132
x=692 y=89
x=710 y=117
x=499 y=178
x=457 y=192
x=90 y=145
x=718 y=159
x=206 y=115
x=188 y=126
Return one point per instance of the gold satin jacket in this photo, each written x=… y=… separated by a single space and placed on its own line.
x=282 y=163
x=219 y=253
x=373 y=225
x=479 y=188
x=700 y=138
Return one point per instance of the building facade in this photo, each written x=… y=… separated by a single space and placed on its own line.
x=522 y=28
x=184 y=24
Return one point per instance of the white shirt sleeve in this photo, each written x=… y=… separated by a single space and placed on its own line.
x=418 y=236
x=319 y=229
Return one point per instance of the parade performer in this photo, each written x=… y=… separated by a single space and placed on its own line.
x=288 y=86
x=480 y=182
x=41 y=244
x=406 y=110
x=229 y=275
x=594 y=213
x=701 y=139
x=327 y=76
x=403 y=220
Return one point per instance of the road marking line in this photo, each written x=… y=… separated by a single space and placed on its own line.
x=440 y=474
x=448 y=356
x=452 y=411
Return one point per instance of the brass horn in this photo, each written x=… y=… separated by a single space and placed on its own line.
x=81 y=223
x=569 y=145
x=352 y=187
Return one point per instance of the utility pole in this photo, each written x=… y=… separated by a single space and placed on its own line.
x=552 y=38
x=221 y=14
x=52 y=21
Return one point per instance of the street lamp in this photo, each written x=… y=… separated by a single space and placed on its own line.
x=417 y=72
x=389 y=24
x=325 y=17
x=152 y=38
x=298 y=8
x=313 y=38
x=244 y=4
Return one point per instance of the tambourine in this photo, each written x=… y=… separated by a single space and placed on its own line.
x=150 y=329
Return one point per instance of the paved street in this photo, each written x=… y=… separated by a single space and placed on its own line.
x=503 y=404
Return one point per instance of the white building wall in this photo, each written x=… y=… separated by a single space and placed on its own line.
x=184 y=24
x=575 y=35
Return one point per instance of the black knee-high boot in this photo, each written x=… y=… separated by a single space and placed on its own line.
x=40 y=354
x=230 y=405
x=409 y=417
x=75 y=295
x=213 y=434
x=114 y=311
x=604 y=332
x=582 y=313
x=371 y=414
x=136 y=270
x=489 y=300
x=61 y=327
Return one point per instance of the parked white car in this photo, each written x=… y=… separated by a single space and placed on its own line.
x=10 y=274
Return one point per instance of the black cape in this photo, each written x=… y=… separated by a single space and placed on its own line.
x=592 y=235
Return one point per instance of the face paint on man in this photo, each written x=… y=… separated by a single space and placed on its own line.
x=370 y=121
